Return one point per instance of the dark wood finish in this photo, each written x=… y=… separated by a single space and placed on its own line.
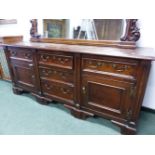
x=129 y=39
x=23 y=67
x=10 y=39
x=34 y=28
x=132 y=31
x=106 y=82
x=138 y=53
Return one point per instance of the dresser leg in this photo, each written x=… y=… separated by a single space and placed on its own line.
x=17 y=91
x=78 y=113
x=42 y=101
x=126 y=128
x=128 y=131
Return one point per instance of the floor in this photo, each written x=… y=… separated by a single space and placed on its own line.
x=22 y=115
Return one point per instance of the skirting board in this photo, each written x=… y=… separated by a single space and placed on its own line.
x=148 y=109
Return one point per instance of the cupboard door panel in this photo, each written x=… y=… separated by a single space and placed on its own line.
x=24 y=74
x=107 y=96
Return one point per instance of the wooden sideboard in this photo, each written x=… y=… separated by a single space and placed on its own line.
x=88 y=80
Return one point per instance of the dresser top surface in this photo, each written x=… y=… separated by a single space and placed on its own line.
x=138 y=53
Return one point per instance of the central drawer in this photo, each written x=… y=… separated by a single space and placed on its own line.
x=56 y=74
x=56 y=59
x=57 y=90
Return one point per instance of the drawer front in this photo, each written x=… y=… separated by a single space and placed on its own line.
x=20 y=53
x=57 y=90
x=115 y=66
x=56 y=74
x=62 y=61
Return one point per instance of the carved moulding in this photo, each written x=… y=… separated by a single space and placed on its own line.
x=132 y=31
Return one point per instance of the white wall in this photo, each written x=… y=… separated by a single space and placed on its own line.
x=21 y=28
x=147 y=29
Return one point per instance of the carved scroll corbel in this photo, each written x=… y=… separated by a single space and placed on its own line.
x=132 y=31
x=34 y=29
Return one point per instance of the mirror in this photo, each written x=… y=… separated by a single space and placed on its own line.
x=86 y=31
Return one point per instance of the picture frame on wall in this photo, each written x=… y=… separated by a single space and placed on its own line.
x=54 y=28
x=8 y=21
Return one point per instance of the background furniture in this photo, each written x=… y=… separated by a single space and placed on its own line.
x=4 y=71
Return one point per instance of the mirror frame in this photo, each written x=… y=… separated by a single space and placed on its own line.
x=131 y=35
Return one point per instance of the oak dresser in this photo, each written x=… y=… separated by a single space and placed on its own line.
x=90 y=81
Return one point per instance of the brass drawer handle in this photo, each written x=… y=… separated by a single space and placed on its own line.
x=66 y=60
x=95 y=65
x=27 y=55
x=44 y=58
x=61 y=60
x=13 y=53
x=62 y=75
x=99 y=64
x=48 y=87
x=120 y=68
x=64 y=91
x=46 y=72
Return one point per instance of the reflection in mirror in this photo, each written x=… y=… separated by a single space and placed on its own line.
x=87 y=29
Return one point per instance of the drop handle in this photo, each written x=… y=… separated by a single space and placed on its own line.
x=64 y=91
x=14 y=53
x=119 y=68
x=48 y=87
x=96 y=65
x=27 y=55
x=44 y=58
x=47 y=72
x=61 y=60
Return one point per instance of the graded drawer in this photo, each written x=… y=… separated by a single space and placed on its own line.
x=111 y=66
x=56 y=74
x=20 y=53
x=57 y=90
x=57 y=60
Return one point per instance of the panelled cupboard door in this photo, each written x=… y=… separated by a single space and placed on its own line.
x=108 y=96
x=24 y=74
